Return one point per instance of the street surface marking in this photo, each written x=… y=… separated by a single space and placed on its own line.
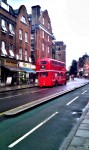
x=22 y=94
x=84 y=91
x=72 y=100
x=10 y=96
x=31 y=131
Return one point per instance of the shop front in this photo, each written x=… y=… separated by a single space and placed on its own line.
x=10 y=72
x=29 y=73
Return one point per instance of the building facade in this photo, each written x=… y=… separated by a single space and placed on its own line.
x=86 y=68
x=15 y=45
x=60 y=51
x=24 y=38
x=41 y=34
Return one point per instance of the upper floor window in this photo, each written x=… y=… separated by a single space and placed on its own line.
x=26 y=37
x=23 y=19
x=42 y=34
x=43 y=20
x=11 y=47
x=11 y=50
x=48 y=49
x=43 y=46
x=48 y=37
x=48 y=25
x=26 y=58
x=11 y=29
x=20 y=34
x=4 y=5
x=20 y=53
x=3 y=48
x=3 y=26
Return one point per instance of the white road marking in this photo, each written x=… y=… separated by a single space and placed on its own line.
x=10 y=96
x=72 y=100
x=22 y=94
x=31 y=131
x=84 y=92
x=85 y=107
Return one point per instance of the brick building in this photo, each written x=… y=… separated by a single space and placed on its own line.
x=41 y=34
x=15 y=46
x=24 y=39
x=60 y=51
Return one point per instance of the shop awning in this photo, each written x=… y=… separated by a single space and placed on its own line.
x=28 y=70
x=12 y=68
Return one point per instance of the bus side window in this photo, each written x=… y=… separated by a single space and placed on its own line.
x=55 y=74
x=59 y=74
x=43 y=74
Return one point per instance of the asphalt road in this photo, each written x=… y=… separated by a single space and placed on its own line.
x=13 y=99
x=45 y=127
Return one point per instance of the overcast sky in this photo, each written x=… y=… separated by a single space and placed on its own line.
x=69 y=20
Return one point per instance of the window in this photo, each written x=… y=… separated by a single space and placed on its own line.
x=23 y=20
x=11 y=29
x=3 y=26
x=48 y=37
x=26 y=55
x=48 y=25
x=11 y=50
x=20 y=34
x=4 y=52
x=42 y=34
x=20 y=53
x=48 y=49
x=43 y=62
x=26 y=37
x=43 y=46
x=43 y=20
x=43 y=74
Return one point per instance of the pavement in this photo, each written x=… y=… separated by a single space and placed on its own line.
x=78 y=138
x=16 y=87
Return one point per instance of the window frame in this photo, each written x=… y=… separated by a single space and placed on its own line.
x=20 y=34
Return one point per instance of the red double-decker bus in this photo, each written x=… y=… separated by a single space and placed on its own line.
x=51 y=72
